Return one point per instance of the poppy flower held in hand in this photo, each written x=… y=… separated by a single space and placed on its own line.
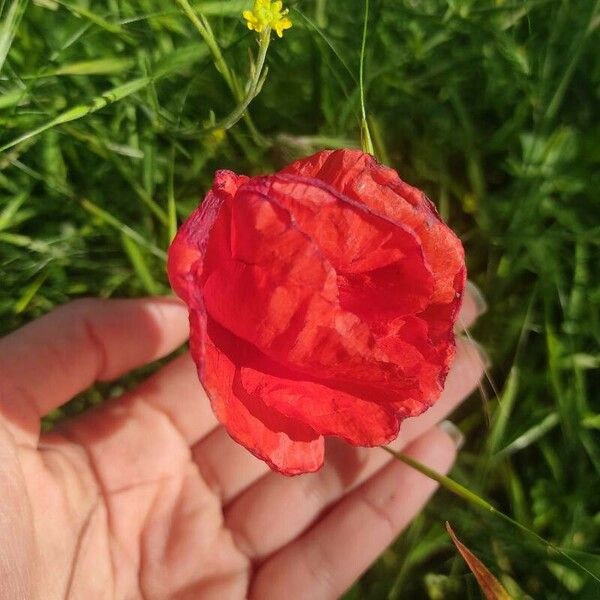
x=322 y=302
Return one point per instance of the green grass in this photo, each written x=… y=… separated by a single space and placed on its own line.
x=490 y=106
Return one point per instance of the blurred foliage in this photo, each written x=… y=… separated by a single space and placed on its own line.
x=491 y=106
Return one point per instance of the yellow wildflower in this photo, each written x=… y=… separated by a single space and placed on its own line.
x=266 y=14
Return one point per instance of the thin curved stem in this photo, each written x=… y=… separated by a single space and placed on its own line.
x=204 y=29
x=366 y=141
x=256 y=83
x=472 y=498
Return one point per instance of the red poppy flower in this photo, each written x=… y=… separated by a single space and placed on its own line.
x=322 y=302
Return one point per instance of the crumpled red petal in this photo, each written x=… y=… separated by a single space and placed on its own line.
x=287 y=445
x=359 y=176
x=322 y=302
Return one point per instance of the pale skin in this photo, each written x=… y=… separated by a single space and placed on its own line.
x=147 y=497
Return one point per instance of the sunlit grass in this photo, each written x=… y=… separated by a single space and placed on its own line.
x=491 y=106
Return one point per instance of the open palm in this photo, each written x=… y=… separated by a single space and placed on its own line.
x=147 y=497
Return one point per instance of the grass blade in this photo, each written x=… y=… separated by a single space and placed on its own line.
x=171 y=204
x=140 y=265
x=85 y=13
x=124 y=229
x=99 y=66
x=367 y=143
x=12 y=97
x=11 y=209
x=23 y=302
x=503 y=411
x=530 y=436
x=8 y=28
x=77 y=112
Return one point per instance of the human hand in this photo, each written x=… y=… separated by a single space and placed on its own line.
x=147 y=497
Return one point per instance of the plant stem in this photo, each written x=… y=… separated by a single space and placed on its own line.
x=205 y=31
x=469 y=496
x=366 y=141
x=256 y=83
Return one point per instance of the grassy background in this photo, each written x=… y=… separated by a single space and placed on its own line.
x=490 y=106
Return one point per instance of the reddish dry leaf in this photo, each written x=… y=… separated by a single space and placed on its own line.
x=490 y=586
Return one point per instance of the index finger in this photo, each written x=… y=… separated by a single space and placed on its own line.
x=50 y=360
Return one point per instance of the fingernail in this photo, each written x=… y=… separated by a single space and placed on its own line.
x=476 y=294
x=453 y=432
